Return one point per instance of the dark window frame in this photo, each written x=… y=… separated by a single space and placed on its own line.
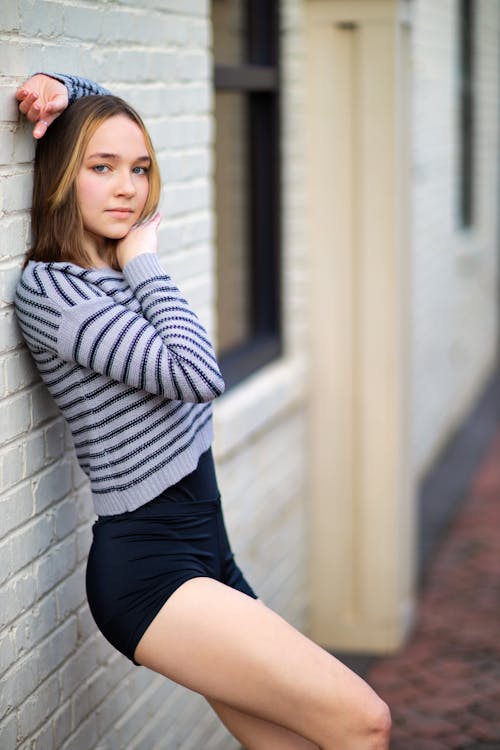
x=466 y=187
x=258 y=77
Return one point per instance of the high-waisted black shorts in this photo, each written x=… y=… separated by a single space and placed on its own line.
x=138 y=559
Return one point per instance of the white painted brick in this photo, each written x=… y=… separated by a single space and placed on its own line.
x=186 y=7
x=43 y=18
x=35 y=625
x=61 y=56
x=3 y=380
x=25 y=144
x=43 y=406
x=199 y=34
x=13 y=58
x=65 y=518
x=179 y=167
x=8 y=732
x=112 y=707
x=34 y=455
x=12 y=466
x=42 y=739
x=177 y=31
x=196 y=99
x=78 y=669
x=54 y=440
x=83 y=542
x=61 y=725
x=9 y=276
x=20 y=371
x=85 y=738
x=182 y=132
x=31 y=541
x=55 y=565
x=193 y=66
x=86 y=624
x=10 y=334
x=80 y=479
x=6 y=146
x=185 y=199
x=15 y=191
x=39 y=706
x=84 y=23
x=7 y=653
x=14 y=231
x=199 y=229
x=15 y=418
x=21 y=681
x=52 y=485
x=16 y=508
x=8 y=102
x=130 y=28
x=55 y=649
x=71 y=593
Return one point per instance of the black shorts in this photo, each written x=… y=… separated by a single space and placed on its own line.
x=138 y=559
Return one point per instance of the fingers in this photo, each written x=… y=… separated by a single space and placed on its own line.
x=41 y=128
x=57 y=104
x=42 y=99
x=28 y=103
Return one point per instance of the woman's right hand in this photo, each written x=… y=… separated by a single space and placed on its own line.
x=142 y=238
x=42 y=99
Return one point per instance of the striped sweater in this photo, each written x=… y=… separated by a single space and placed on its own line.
x=130 y=367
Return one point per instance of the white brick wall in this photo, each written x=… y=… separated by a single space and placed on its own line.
x=61 y=685
x=455 y=272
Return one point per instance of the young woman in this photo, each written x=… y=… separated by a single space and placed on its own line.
x=133 y=372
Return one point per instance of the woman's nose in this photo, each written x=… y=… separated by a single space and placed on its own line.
x=125 y=183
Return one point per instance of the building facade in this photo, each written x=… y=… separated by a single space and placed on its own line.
x=330 y=201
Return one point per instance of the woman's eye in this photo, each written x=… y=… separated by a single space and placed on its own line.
x=140 y=170
x=100 y=168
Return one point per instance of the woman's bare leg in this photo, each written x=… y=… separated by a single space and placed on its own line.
x=256 y=734
x=236 y=651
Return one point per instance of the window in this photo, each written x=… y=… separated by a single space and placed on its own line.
x=247 y=182
x=466 y=113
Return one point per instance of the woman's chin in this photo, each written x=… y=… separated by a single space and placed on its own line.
x=117 y=234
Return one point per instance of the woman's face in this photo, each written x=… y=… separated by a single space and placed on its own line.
x=112 y=183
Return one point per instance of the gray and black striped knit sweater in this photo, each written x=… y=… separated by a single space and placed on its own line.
x=130 y=367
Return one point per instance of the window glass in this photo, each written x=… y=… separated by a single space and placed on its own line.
x=229 y=32
x=232 y=200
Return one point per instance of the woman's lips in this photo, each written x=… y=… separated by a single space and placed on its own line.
x=120 y=213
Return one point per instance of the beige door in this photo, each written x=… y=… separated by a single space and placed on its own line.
x=363 y=525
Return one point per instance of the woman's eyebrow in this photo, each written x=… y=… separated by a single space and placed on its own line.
x=105 y=155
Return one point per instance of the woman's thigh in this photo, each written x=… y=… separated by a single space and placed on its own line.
x=235 y=650
x=259 y=734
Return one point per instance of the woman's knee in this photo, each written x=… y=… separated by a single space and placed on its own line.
x=364 y=722
x=378 y=724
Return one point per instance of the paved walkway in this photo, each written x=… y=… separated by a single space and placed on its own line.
x=444 y=687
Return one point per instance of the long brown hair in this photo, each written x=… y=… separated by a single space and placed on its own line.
x=55 y=216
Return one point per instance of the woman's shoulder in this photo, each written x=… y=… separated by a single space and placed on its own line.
x=61 y=281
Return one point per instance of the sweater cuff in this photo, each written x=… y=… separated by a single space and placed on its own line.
x=143 y=267
x=77 y=86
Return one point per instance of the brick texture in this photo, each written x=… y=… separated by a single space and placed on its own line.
x=62 y=687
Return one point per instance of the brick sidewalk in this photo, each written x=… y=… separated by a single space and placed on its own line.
x=444 y=687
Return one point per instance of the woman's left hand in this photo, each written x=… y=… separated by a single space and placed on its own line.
x=42 y=99
x=142 y=238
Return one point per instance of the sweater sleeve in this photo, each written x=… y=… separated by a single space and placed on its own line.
x=162 y=349
x=77 y=86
